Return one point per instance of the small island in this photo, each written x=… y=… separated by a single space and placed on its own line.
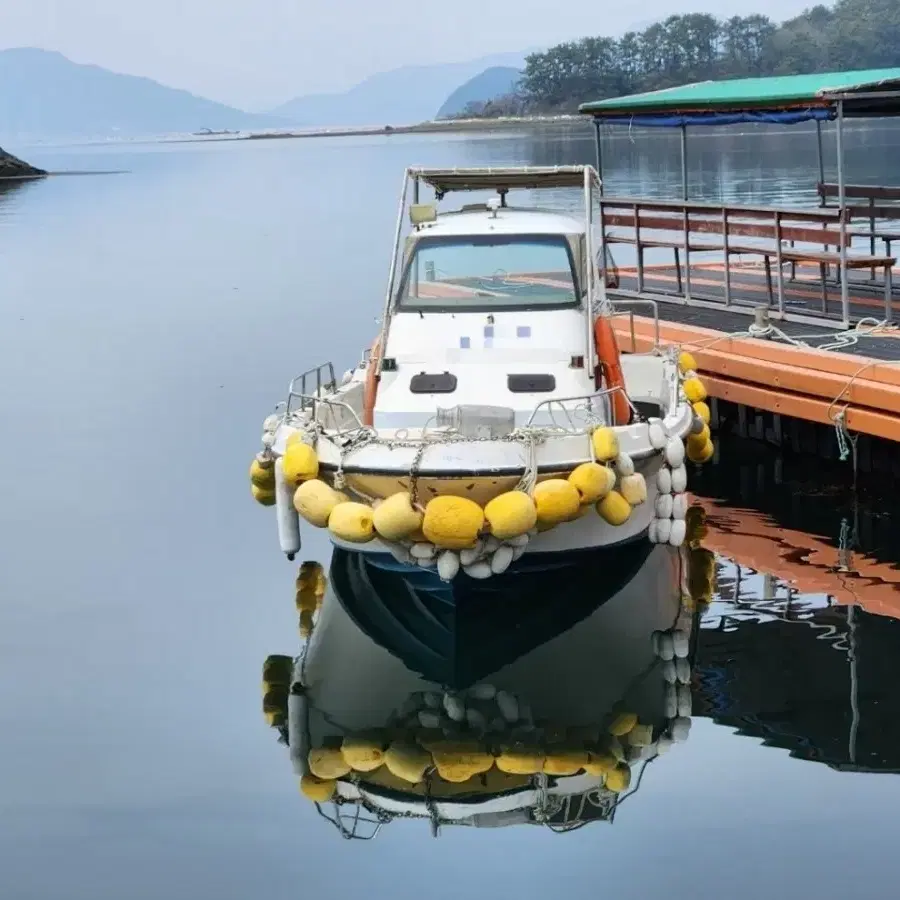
x=13 y=167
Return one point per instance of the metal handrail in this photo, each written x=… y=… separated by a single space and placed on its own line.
x=640 y=302
x=311 y=401
x=330 y=384
x=605 y=395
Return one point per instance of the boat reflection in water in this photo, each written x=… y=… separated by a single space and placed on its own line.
x=537 y=698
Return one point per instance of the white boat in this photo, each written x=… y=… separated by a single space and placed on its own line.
x=495 y=372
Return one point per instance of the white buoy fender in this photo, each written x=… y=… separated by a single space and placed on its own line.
x=454 y=707
x=428 y=718
x=271 y=423
x=675 y=452
x=679 y=480
x=501 y=560
x=681 y=643
x=400 y=553
x=508 y=706
x=664 y=480
x=670 y=707
x=286 y=515
x=663 y=530
x=656 y=434
x=664 y=506
x=624 y=465
x=471 y=555
x=669 y=673
x=483 y=692
x=677 y=532
x=476 y=719
x=666 y=646
x=684 y=700
x=479 y=570
x=448 y=565
x=664 y=744
x=519 y=541
x=422 y=551
x=653 y=532
x=679 y=506
x=682 y=670
x=680 y=729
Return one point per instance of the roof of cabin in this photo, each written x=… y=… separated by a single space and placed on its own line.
x=869 y=92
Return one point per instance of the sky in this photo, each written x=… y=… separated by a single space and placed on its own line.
x=256 y=55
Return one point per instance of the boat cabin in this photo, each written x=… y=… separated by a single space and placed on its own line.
x=489 y=304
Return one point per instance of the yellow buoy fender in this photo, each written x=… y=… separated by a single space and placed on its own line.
x=619 y=779
x=702 y=410
x=563 y=763
x=457 y=762
x=352 y=522
x=698 y=440
x=277 y=671
x=686 y=362
x=622 y=724
x=395 y=518
x=702 y=454
x=600 y=764
x=315 y=500
x=633 y=488
x=318 y=790
x=275 y=698
x=694 y=390
x=556 y=501
x=641 y=736
x=306 y=623
x=605 y=443
x=408 y=762
x=262 y=476
x=263 y=496
x=521 y=760
x=510 y=515
x=614 y=508
x=328 y=762
x=300 y=463
x=452 y=523
x=362 y=754
x=592 y=481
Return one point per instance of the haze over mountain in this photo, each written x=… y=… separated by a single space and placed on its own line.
x=487 y=85
x=399 y=97
x=44 y=94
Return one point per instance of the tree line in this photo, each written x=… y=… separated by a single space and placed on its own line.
x=852 y=34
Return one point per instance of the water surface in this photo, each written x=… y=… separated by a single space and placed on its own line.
x=151 y=319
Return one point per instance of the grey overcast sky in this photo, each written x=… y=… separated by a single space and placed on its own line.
x=258 y=54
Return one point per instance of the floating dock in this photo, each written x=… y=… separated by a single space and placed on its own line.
x=811 y=389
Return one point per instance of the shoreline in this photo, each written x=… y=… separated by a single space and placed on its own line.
x=449 y=126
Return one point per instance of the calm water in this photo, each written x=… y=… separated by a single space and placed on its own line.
x=150 y=320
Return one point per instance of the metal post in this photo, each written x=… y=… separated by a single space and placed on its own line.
x=854 y=684
x=842 y=202
x=589 y=270
x=684 y=163
x=822 y=198
x=598 y=151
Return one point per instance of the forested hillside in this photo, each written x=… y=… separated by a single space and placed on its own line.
x=852 y=34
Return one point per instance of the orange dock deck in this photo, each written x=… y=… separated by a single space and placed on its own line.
x=801 y=383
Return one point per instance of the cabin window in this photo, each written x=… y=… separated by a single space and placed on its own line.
x=489 y=272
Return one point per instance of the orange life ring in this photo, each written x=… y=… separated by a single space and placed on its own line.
x=371 y=389
x=609 y=369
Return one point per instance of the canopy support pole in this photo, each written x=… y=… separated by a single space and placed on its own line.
x=842 y=203
x=684 y=164
x=598 y=153
x=821 y=158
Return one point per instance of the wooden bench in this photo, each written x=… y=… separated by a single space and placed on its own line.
x=881 y=203
x=769 y=232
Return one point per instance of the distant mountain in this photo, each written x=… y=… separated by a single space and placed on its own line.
x=46 y=95
x=399 y=97
x=494 y=82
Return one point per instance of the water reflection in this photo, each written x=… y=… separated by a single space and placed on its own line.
x=797 y=647
x=538 y=699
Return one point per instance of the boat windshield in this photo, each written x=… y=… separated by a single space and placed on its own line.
x=477 y=272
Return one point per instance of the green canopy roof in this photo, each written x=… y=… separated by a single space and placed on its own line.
x=764 y=94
